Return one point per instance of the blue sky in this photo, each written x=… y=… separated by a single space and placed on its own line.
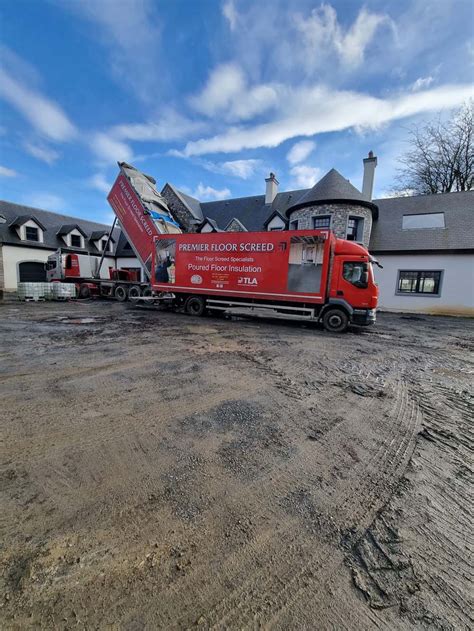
x=212 y=95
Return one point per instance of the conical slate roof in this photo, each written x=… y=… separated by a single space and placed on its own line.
x=333 y=187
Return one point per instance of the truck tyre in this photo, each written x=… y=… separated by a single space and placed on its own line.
x=335 y=320
x=121 y=293
x=195 y=305
x=134 y=293
x=84 y=292
x=147 y=292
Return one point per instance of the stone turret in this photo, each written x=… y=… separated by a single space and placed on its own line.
x=334 y=203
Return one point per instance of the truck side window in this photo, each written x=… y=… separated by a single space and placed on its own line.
x=68 y=261
x=356 y=273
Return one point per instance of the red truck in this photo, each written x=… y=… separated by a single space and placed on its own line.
x=299 y=274
x=143 y=214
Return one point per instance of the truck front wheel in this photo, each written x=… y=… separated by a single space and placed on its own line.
x=121 y=293
x=195 y=305
x=335 y=320
x=84 y=292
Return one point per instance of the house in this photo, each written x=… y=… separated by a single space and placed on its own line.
x=29 y=235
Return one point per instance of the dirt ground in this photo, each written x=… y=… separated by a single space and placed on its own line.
x=160 y=471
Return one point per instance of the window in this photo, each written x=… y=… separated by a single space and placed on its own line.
x=322 y=221
x=277 y=228
x=127 y=246
x=76 y=241
x=294 y=225
x=428 y=220
x=103 y=245
x=356 y=273
x=31 y=233
x=419 y=282
x=355 y=228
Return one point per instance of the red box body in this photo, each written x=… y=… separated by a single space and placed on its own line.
x=281 y=265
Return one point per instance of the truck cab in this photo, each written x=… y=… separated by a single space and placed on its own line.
x=352 y=288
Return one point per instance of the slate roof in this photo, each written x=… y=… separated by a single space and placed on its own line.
x=52 y=224
x=458 y=234
x=252 y=211
x=333 y=187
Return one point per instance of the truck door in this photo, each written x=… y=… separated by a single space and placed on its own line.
x=353 y=282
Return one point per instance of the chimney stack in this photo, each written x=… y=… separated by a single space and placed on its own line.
x=272 y=188
x=369 y=172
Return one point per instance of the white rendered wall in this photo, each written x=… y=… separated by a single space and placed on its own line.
x=13 y=255
x=276 y=222
x=457 y=283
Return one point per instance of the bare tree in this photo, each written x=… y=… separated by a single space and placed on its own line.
x=440 y=157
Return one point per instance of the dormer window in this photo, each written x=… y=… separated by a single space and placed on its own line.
x=72 y=235
x=103 y=245
x=28 y=228
x=31 y=233
x=76 y=240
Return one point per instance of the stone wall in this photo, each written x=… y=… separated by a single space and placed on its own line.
x=340 y=214
x=235 y=226
x=179 y=210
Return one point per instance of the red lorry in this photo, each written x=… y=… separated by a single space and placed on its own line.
x=143 y=214
x=298 y=274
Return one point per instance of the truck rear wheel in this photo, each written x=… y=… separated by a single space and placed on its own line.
x=335 y=320
x=195 y=305
x=134 y=293
x=121 y=293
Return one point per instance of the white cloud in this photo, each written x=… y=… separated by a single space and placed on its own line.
x=300 y=151
x=422 y=83
x=170 y=126
x=237 y=168
x=131 y=32
x=109 y=149
x=43 y=114
x=230 y=13
x=99 y=182
x=207 y=193
x=309 y=111
x=42 y=152
x=305 y=176
x=227 y=93
x=322 y=33
x=6 y=172
x=45 y=201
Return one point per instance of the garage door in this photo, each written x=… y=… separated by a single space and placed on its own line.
x=32 y=272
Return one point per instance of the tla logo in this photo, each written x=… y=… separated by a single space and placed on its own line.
x=246 y=280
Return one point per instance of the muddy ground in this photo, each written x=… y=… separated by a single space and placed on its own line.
x=160 y=471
